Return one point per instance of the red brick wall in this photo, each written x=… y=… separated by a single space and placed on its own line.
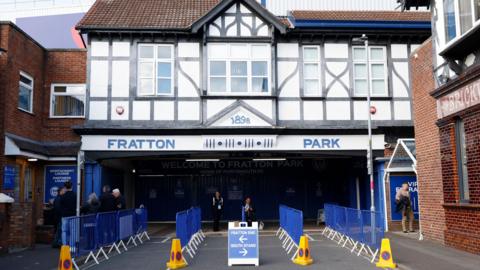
x=23 y=55
x=46 y=67
x=429 y=166
x=462 y=219
x=62 y=66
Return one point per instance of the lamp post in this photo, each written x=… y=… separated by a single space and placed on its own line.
x=364 y=39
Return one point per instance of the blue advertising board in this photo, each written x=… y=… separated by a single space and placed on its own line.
x=243 y=244
x=395 y=184
x=9 y=175
x=56 y=176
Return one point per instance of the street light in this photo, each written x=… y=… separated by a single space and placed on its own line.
x=364 y=39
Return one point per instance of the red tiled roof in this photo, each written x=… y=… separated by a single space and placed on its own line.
x=361 y=15
x=141 y=14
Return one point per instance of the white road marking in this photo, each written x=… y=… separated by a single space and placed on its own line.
x=310 y=238
x=166 y=239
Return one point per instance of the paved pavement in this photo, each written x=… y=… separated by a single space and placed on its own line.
x=412 y=254
x=212 y=255
x=408 y=252
x=40 y=258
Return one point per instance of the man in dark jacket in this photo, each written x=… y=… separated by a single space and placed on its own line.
x=57 y=217
x=119 y=200
x=107 y=200
x=68 y=202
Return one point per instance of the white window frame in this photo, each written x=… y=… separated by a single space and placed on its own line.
x=370 y=64
x=319 y=71
x=458 y=28
x=31 y=87
x=52 y=94
x=228 y=75
x=155 y=60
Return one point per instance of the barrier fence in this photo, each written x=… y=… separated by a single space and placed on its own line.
x=189 y=229
x=359 y=230
x=92 y=235
x=291 y=228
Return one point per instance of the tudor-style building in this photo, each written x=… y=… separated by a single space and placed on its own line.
x=186 y=97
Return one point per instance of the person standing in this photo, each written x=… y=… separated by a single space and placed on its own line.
x=57 y=218
x=217 y=207
x=68 y=201
x=107 y=200
x=92 y=205
x=404 y=205
x=119 y=200
x=249 y=211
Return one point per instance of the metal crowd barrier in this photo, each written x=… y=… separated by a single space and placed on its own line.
x=291 y=228
x=361 y=231
x=189 y=229
x=98 y=235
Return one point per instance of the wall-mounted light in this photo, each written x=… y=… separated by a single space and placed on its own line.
x=2 y=50
x=133 y=171
x=32 y=159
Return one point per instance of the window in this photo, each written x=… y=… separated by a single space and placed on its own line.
x=155 y=69
x=465 y=14
x=377 y=69
x=25 y=93
x=311 y=71
x=461 y=155
x=238 y=68
x=476 y=6
x=67 y=100
x=460 y=16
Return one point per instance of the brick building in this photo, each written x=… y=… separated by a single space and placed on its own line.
x=42 y=96
x=447 y=125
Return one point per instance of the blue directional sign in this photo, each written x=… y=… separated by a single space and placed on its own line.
x=243 y=244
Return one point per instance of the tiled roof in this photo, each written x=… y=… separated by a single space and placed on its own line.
x=414 y=16
x=145 y=14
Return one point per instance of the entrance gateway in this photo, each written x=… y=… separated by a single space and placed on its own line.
x=168 y=174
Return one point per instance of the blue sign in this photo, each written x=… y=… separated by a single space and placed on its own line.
x=55 y=178
x=395 y=184
x=243 y=244
x=9 y=175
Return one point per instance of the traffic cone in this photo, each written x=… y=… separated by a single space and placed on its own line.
x=176 y=258
x=303 y=254
x=386 y=259
x=65 y=262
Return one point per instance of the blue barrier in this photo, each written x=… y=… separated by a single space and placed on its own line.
x=188 y=223
x=291 y=220
x=107 y=228
x=86 y=234
x=356 y=224
x=80 y=234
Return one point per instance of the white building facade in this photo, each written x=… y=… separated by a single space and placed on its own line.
x=234 y=81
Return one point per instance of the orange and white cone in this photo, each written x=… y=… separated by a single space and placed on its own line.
x=65 y=261
x=176 y=257
x=303 y=255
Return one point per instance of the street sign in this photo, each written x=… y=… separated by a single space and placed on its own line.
x=243 y=244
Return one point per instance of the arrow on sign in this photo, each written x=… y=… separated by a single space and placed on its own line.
x=242 y=239
x=244 y=252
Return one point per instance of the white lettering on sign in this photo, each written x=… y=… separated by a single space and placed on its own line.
x=459 y=100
